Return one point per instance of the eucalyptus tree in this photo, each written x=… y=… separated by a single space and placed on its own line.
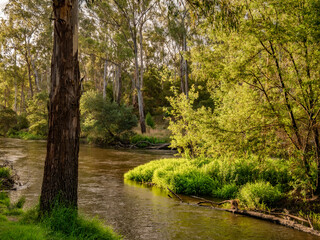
x=129 y=18
x=60 y=180
x=180 y=30
x=102 y=41
x=28 y=34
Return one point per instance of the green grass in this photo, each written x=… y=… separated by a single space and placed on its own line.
x=221 y=177
x=63 y=223
x=16 y=230
x=25 y=135
x=259 y=194
x=143 y=140
x=5 y=172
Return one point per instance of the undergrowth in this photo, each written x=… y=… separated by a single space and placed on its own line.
x=25 y=135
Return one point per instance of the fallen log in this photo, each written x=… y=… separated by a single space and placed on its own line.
x=278 y=220
x=259 y=215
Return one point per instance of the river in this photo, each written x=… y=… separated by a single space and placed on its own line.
x=135 y=211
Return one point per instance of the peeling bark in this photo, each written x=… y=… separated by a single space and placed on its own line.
x=60 y=180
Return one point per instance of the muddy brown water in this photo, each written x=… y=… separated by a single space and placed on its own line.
x=135 y=211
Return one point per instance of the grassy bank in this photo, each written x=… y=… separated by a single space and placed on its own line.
x=63 y=223
x=257 y=184
x=25 y=135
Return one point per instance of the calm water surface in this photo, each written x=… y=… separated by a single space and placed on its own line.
x=135 y=211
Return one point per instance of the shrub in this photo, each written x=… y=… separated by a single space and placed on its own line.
x=259 y=194
x=104 y=121
x=8 y=119
x=149 y=121
x=190 y=181
x=22 y=122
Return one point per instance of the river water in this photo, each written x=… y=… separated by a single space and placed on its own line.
x=135 y=211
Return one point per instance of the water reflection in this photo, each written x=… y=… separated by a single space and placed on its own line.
x=134 y=210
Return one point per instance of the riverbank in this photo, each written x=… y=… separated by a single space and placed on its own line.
x=62 y=223
x=255 y=185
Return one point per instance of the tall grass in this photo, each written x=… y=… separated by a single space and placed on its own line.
x=219 y=177
x=62 y=223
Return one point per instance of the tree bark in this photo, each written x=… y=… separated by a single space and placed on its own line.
x=186 y=77
x=105 y=83
x=23 y=101
x=60 y=180
x=119 y=85
x=140 y=85
x=29 y=77
x=35 y=71
x=15 y=84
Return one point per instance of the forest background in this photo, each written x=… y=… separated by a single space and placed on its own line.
x=231 y=79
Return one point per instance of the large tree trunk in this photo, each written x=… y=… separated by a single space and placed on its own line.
x=60 y=180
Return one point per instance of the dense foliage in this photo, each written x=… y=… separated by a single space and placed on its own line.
x=237 y=78
x=104 y=121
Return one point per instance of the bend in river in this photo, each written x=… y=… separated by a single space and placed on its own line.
x=135 y=211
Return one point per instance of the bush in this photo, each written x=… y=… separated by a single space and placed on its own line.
x=190 y=181
x=104 y=121
x=8 y=119
x=259 y=194
x=22 y=122
x=149 y=121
